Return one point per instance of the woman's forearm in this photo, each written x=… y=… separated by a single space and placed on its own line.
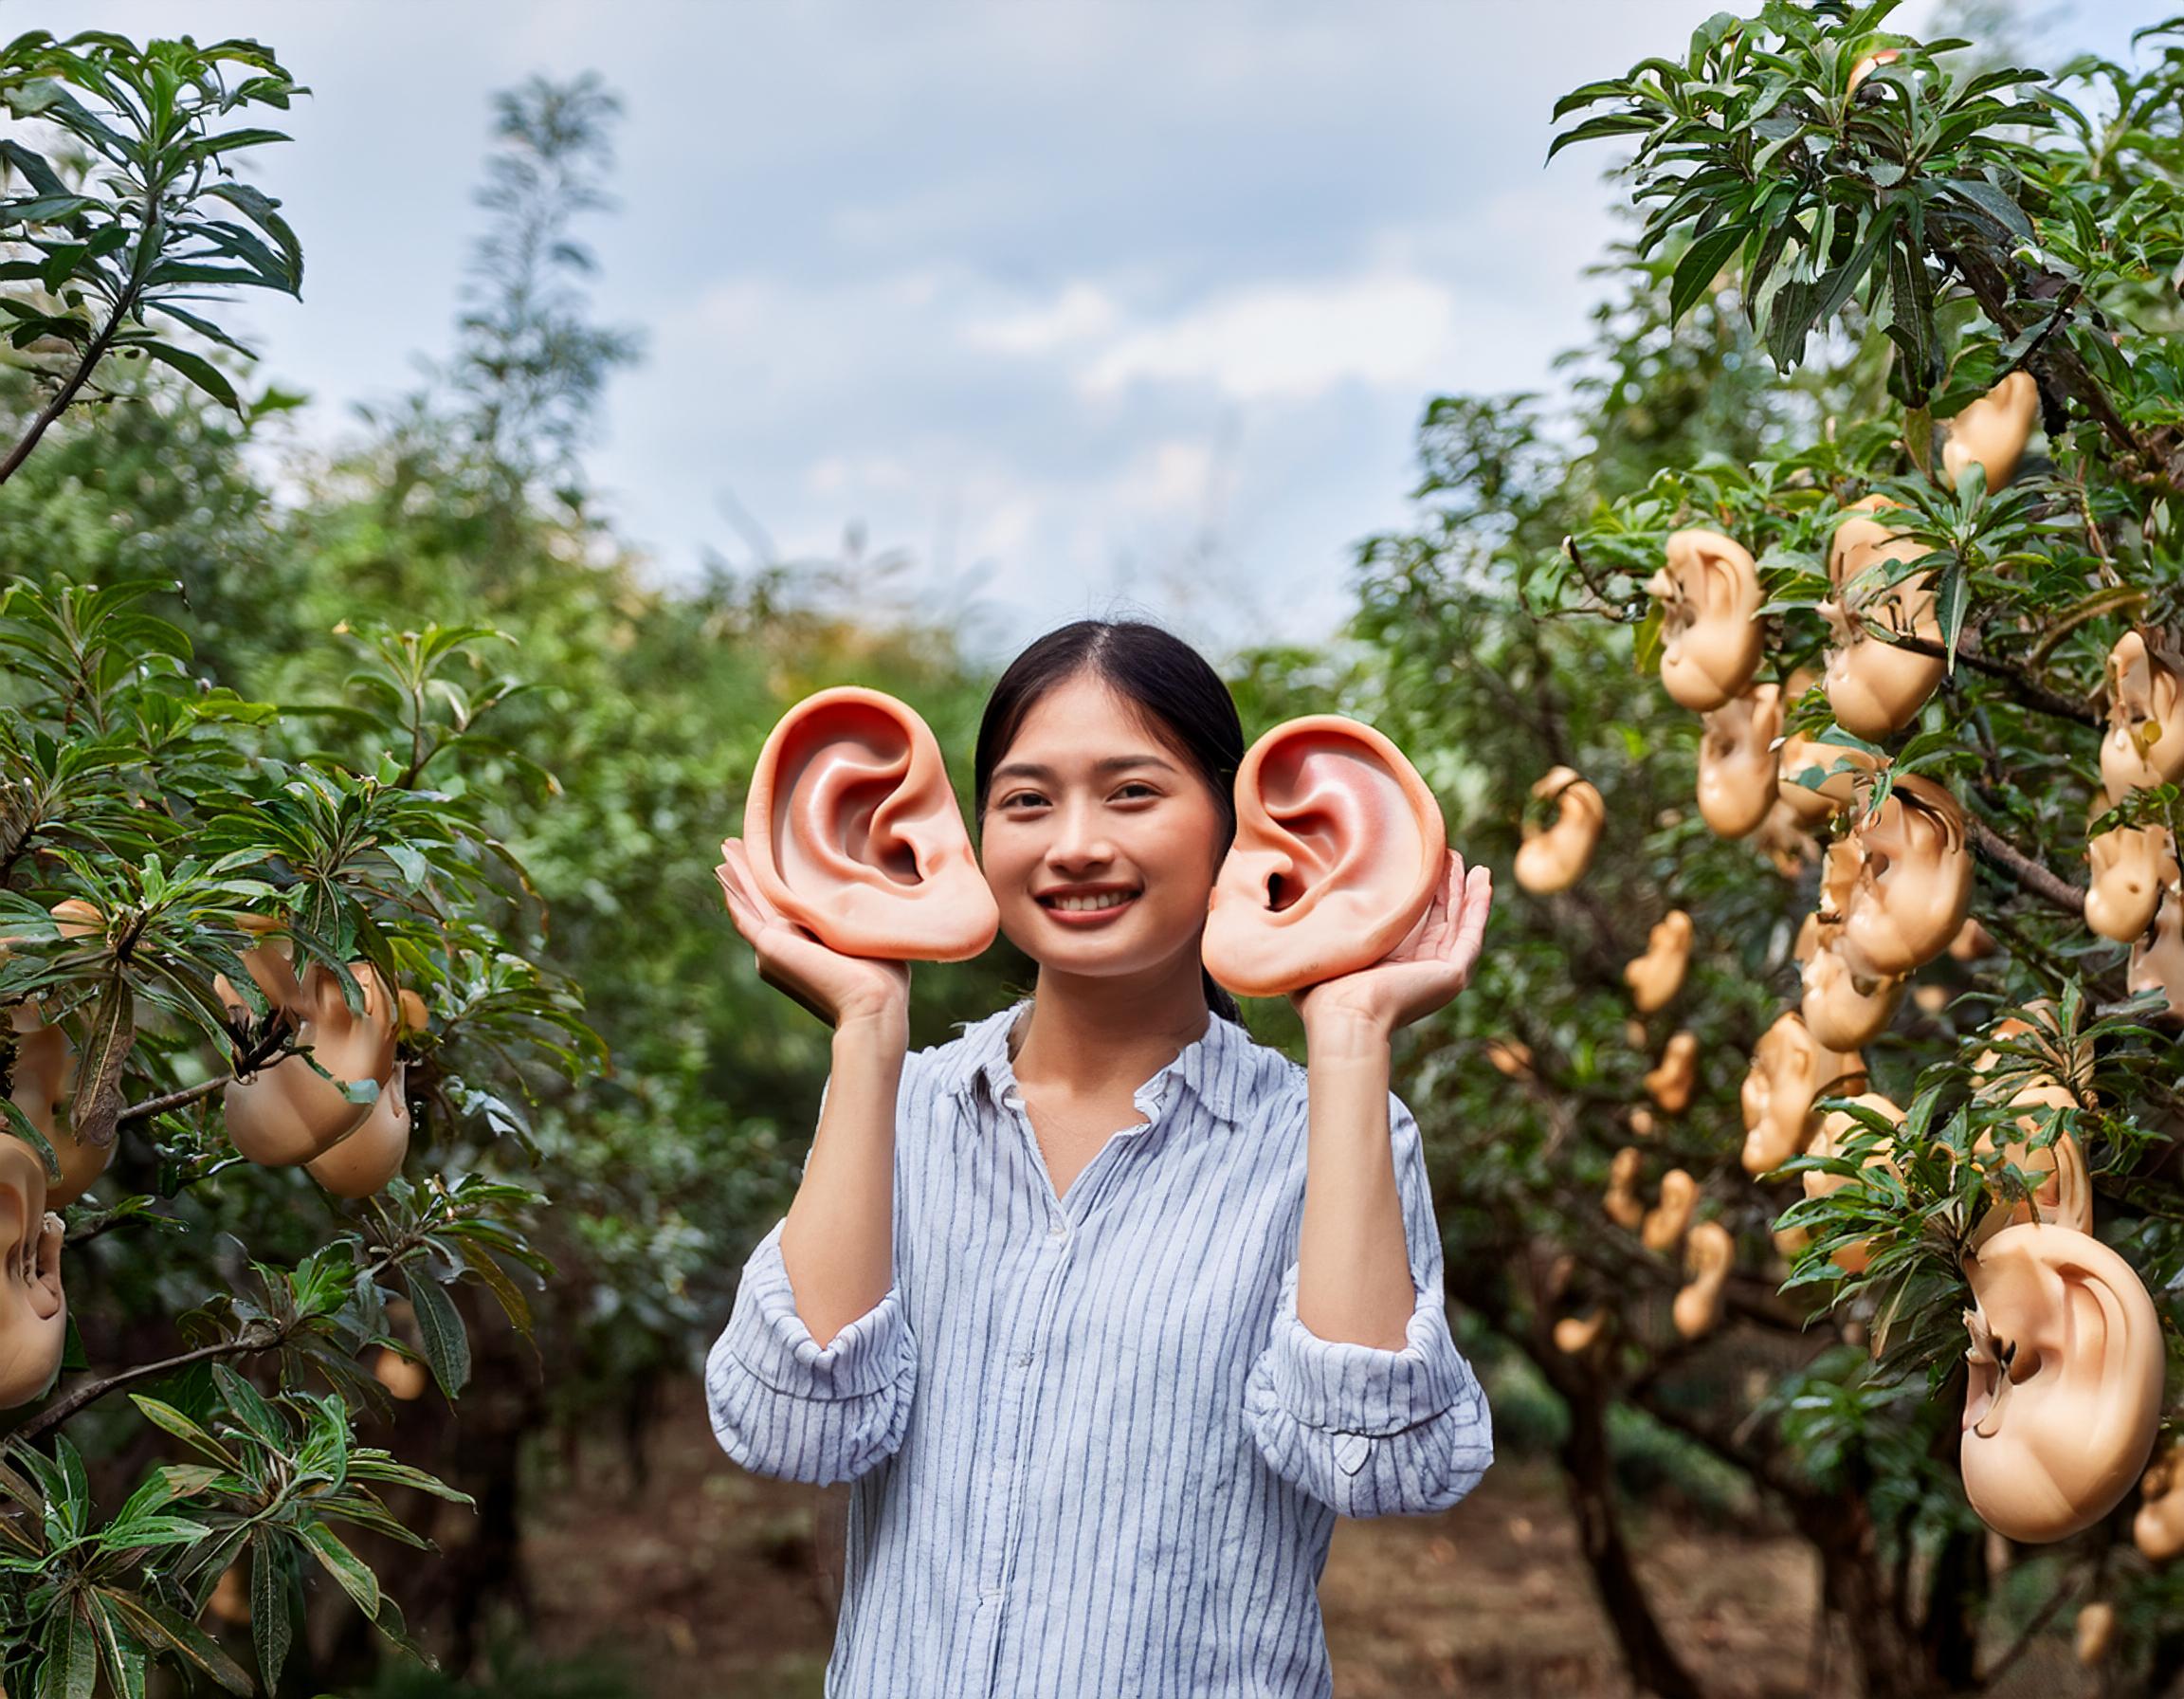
x=1354 y=1267
x=838 y=1242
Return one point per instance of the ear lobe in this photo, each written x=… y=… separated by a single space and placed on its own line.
x=33 y=1311
x=1339 y=848
x=2064 y=1397
x=853 y=832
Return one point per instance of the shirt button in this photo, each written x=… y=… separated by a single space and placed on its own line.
x=1058 y=1231
x=1023 y=1360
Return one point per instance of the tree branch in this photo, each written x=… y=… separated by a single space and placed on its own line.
x=1997 y=851
x=174 y=1100
x=2029 y=691
x=256 y=1336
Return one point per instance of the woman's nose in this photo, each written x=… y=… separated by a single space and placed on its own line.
x=1078 y=839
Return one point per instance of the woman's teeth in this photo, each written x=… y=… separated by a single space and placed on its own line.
x=1109 y=899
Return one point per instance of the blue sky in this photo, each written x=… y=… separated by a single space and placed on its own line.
x=1072 y=305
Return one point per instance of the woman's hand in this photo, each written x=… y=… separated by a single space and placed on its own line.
x=1418 y=975
x=838 y=989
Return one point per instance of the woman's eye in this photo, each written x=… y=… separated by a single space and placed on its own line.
x=1132 y=790
x=1022 y=799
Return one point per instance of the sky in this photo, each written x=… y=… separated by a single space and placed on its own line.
x=1065 y=307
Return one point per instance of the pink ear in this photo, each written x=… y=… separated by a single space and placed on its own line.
x=1339 y=848
x=853 y=832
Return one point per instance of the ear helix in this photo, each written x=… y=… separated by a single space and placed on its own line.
x=1340 y=848
x=854 y=834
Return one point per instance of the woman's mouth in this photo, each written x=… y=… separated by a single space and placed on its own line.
x=1088 y=909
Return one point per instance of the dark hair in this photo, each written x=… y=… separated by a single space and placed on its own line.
x=1167 y=680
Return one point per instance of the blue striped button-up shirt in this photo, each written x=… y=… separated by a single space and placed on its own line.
x=1096 y=1454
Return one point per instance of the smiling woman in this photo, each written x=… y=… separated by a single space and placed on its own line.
x=1106 y=1310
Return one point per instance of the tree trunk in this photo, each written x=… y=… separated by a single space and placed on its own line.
x=1588 y=1471
x=1893 y=1660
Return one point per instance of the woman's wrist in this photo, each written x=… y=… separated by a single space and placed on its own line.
x=880 y=1032
x=1352 y=1034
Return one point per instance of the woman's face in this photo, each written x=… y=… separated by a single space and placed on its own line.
x=1100 y=840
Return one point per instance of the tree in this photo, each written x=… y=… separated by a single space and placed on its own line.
x=162 y=831
x=1850 y=239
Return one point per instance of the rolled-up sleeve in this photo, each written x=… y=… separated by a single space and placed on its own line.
x=783 y=1406
x=1366 y=1431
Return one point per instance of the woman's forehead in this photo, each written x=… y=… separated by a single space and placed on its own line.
x=1086 y=718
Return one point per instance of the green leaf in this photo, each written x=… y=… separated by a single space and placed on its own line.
x=1700 y=265
x=272 y=1594
x=197 y=369
x=353 y=1574
x=440 y=1328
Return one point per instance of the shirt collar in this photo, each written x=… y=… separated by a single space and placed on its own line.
x=1211 y=1066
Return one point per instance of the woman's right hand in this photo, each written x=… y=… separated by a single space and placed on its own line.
x=838 y=989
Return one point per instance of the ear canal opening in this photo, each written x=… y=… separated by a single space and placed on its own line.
x=883 y=852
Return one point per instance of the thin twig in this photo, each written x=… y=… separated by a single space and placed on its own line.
x=174 y=1100
x=2027 y=689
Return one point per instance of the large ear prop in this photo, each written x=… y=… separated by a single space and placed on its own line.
x=1339 y=851
x=853 y=832
x=2064 y=1397
x=33 y=1311
x=1913 y=883
x=1554 y=858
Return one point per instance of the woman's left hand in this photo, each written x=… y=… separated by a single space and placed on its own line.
x=1421 y=974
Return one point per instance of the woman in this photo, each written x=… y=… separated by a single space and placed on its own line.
x=1106 y=1310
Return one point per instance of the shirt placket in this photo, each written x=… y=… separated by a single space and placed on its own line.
x=1031 y=1324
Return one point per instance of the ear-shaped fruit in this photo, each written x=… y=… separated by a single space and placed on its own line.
x=853 y=832
x=2094 y=1633
x=1710 y=631
x=1836 y=1128
x=45 y=1075
x=33 y=1311
x=2158 y=959
x=1736 y=762
x=2064 y=1399
x=2157 y=1530
x=1573 y=1337
x=1829 y=793
x=1972 y=941
x=1867 y=66
x=2144 y=745
x=1670 y=1081
x=404 y=1377
x=1844 y=1007
x=2130 y=865
x=1877 y=687
x=1914 y=879
x=373 y=1155
x=1663 y=1228
x=1554 y=859
x=1993 y=431
x=1339 y=851
x=288 y=1113
x=1785 y=842
x=1622 y=1201
x=1790 y=1067
x=1658 y=975
x=1510 y=1057
x=1709 y=1253
x=2064 y=1197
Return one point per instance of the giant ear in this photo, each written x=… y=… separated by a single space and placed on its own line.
x=1339 y=851
x=854 y=835
x=2064 y=1397
x=33 y=1313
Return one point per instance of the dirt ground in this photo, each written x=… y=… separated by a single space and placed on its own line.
x=706 y=1581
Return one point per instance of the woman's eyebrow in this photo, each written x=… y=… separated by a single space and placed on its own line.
x=1113 y=763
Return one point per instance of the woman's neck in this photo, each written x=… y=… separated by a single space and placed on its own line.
x=1083 y=1035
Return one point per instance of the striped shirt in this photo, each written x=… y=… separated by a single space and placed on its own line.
x=1096 y=1454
